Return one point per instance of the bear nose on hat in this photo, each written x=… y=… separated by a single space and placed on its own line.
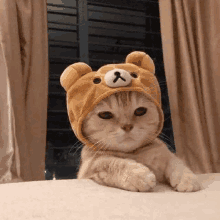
x=117 y=78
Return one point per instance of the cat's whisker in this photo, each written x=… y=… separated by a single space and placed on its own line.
x=100 y=142
x=77 y=148
x=150 y=139
x=166 y=137
x=98 y=149
x=97 y=142
x=76 y=144
x=167 y=118
x=162 y=135
x=169 y=146
x=163 y=138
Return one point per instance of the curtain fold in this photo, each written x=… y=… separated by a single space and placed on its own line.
x=191 y=45
x=24 y=75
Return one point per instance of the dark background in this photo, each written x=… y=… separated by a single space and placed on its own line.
x=97 y=32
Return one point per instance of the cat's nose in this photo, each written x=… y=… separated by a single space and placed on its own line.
x=127 y=127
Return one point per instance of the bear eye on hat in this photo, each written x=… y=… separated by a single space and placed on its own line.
x=97 y=80
x=134 y=75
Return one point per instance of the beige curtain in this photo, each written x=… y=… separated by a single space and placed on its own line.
x=191 y=46
x=23 y=89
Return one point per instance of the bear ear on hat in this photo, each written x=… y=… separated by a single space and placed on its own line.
x=142 y=60
x=72 y=73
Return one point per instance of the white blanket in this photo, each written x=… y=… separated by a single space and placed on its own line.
x=84 y=199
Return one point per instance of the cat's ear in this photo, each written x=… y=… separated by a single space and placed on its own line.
x=72 y=73
x=142 y=60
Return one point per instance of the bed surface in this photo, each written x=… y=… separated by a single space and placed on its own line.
x=84 y=199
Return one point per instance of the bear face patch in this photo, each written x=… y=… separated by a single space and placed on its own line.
x=117 y=78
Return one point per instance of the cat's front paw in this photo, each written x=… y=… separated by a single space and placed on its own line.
x=184 y=181
x=138 y=177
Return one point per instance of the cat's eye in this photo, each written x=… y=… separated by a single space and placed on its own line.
x=105 y=115
x=140 y=111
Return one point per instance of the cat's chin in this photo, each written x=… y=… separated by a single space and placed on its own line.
x=126 y=146
x=125 y=140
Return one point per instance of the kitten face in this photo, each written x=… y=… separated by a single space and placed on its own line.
x=123 y=122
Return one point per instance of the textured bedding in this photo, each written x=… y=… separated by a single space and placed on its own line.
x=84 y=199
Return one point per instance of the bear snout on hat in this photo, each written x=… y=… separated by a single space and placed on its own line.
x=117 y=78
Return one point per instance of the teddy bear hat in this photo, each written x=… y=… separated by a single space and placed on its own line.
x=86 y=88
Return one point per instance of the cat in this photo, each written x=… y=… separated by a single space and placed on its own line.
x=120 y=127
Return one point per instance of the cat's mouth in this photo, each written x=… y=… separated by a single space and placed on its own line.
x=125 y=138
